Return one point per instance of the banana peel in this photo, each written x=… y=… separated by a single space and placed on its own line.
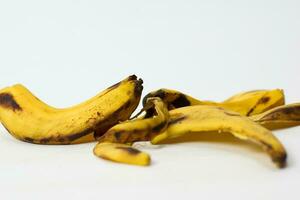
x=280 y=117
x=199 y=119
x=128 y=132
x=246 y=103
x=121 y=153
x=29 y=119
x=169 y=114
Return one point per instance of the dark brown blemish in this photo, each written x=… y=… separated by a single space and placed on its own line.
x=8 y=101
x=280 y=160
x=127 y=105
x=132 y=77
x=100 y=131
x=45 y=140
x=110 y=121
x=176 y=120
x=161 y=94
x=288 y=111
x=28 y=139
x=160 y=126
x=75 y=136
x=138 y=88
x=293 y=114
x=181 y=101
x=250 y=111
x=264 y=100
x=118 y=135
x=291 y=110
x=150 y=113
x=130 y=150
x=66 y=139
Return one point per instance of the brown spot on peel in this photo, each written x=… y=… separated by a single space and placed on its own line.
x=28 y=139
x=277 y=157
x=159 y=127
x=8 y=101
x=117 y=136
x=280 y=160
x=264 y=100
x=138 y=88
x=176 y=120
x=45 y=140
x=250 y=111
x=132 y=77
x=181 y=101
x=130 y=150
x=75 y=136
x=107 y=123
x=293 y=110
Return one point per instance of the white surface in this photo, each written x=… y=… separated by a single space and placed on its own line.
x=67 y=51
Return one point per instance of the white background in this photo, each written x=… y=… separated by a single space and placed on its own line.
x=68 y=51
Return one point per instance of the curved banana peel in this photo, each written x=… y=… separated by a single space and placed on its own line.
x=128 y=132
x=29 y=119
x=140 y=129
x=246 y=103
x=279 y=117
x=121 y=153
x=198 y=119
x=169 y=114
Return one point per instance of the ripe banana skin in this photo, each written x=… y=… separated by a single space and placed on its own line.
x=202 y=118
x=128 y=132
x=140 y=129
x=279 y=117
x=246 y=103
x=121 y=153
x=30 y=120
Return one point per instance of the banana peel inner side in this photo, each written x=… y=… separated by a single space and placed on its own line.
x=199 y=119
x=279 y=117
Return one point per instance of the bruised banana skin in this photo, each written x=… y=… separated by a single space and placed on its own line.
x=140 y=129
x=246 y=103
x=279 y=117
x=128 y=132
x=31 y=120
x=197 y=119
